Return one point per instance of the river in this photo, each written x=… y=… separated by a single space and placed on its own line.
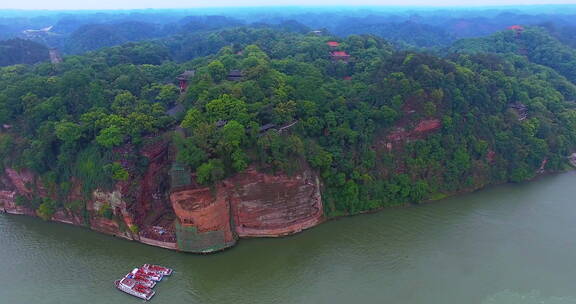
x=507 y=244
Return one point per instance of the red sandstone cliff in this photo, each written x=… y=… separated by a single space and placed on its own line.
x=12 y=184
x=275 y=205
x=203 y=219
x=259 y=204
x=149 y=201
x=192 y=218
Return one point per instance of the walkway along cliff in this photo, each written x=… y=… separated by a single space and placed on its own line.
x=164 y=206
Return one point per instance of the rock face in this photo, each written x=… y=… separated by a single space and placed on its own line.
x=249 y=204
x=109 y=226
x=399 y=135
x=68 y=217
x=203 y=220
x=12 y=184
x=8 y=204
x=114 y=200
x=275 y=205
x=427 y=126
x=150 y=207
x=21 y=182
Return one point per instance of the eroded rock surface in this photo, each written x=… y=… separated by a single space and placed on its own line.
x=13 y=184
x=203 y=220
x=249 y=204
x=188 y=217
x=274 y=205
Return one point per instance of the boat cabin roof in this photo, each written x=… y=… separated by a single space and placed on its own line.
x=128 y=282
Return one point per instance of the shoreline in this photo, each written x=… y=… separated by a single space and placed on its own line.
x=173 y=246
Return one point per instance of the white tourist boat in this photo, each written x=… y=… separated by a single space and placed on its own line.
x=142 y=279
x=154 y=276
x=131 y=287
x=157 y=269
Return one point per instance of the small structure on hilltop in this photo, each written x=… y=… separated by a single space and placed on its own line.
x=340 y=56
x=235 y=75
x=518 y=29
x=317 y=33
x=184 y=78
x=333 y=44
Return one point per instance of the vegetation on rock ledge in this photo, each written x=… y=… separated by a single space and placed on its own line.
x=385 y=128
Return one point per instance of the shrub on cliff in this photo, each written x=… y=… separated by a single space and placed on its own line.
x=210 y=172
x=117 y=171
x=134 y=229
x=106 y=211
x=47 y=209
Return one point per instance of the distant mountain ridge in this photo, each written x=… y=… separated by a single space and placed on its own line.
x=536 y=43
x=20 y=51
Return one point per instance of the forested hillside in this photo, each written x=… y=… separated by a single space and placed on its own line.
x=17 y=51
x=406 y=29
x=96 y=36
x=381 y=127
x=536 y=43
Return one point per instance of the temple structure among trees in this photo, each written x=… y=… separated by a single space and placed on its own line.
x=183 y=80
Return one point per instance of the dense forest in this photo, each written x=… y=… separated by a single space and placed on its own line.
x=382 y=125
x=536 y=43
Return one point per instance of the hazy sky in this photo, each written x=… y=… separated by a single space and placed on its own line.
x=138 y=4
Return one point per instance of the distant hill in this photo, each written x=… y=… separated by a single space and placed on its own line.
x=207 y=23
x=408 y=32
x=4 y=31
x=18 y=51
x=94 y=36
x=536 y=43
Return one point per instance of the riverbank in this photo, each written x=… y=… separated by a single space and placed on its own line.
x=110 y=227
x=465 y=249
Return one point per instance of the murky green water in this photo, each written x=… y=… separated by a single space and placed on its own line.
x=508 y=244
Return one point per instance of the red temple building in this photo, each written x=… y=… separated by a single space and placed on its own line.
x=340 y=56
x=333 y=44
x=518 y=29
x=183 y=80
